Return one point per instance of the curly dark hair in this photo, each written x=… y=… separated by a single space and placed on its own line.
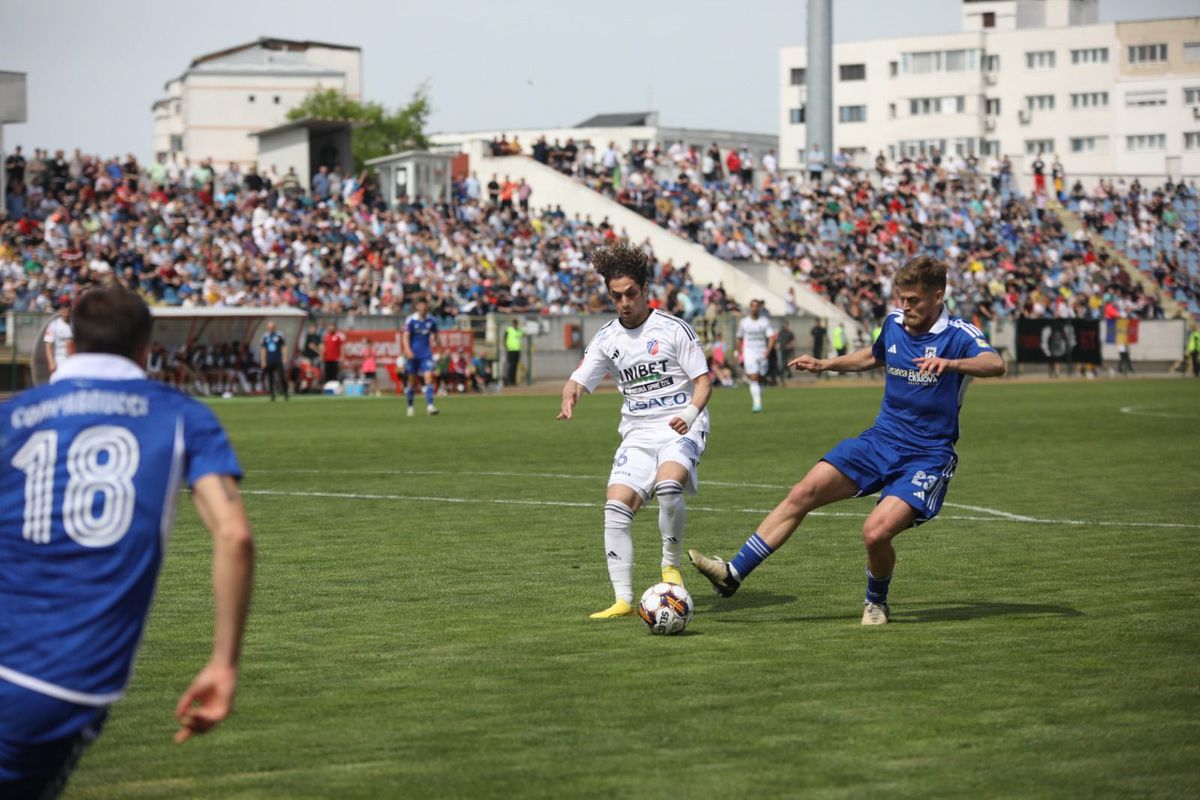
x=622 y=259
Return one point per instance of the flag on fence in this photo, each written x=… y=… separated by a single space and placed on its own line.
x=1121 y=331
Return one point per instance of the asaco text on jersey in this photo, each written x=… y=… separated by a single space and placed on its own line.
x=90 y=471
x=653 y=365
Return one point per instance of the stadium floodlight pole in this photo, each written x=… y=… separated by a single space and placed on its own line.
x=818 y=81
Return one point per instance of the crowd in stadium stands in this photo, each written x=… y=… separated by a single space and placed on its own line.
x=197 y=234
x=844 y=229
x=193 y=234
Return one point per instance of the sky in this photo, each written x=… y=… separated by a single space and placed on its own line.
x=95 y=68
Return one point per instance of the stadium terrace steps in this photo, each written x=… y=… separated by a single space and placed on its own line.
x=1171 y=307
x=551 y=188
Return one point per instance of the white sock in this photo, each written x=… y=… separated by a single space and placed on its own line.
x=756 y=393
x=672 y=514
x=618 y=546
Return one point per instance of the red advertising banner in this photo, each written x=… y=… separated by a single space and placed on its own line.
x=387 y=346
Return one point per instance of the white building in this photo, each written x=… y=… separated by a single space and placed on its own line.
x=624 y=130
x=1023 y=77
x=212 y=109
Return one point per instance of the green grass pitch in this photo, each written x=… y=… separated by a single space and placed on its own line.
x=420 y=623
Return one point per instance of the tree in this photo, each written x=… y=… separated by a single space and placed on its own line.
x=381 y=132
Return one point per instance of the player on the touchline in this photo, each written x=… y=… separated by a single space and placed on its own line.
x=91 y=468
x=659 y=366
x=907 y=455
x=756 y=341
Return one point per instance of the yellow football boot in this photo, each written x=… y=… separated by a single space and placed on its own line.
x=621 y=608
x=672 y=575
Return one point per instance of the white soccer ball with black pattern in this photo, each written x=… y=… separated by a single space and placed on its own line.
x=666 y=608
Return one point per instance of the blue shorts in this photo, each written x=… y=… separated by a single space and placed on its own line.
x=419 y=366
x=41 y=739
x=875 y=464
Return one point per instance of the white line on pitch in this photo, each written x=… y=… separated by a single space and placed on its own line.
x=573 y=477
x=1148 y=411
x=568 y=504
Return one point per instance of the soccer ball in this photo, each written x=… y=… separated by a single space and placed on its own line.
x=666 y=608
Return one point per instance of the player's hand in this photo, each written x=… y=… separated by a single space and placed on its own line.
x=934 y=365
x=808 y=363
x=206 y=702
x=568 y=408
x=678 y=425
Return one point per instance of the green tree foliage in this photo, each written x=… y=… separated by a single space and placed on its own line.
x=381 y=131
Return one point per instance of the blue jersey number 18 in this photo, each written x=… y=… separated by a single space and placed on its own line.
x=101 y=463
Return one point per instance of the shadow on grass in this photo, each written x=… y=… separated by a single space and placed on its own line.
x=719 y=605
x=953 y=612
x=961 y=612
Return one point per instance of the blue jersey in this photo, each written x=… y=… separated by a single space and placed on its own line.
x=273 y=344
x=920 y=411
x=420 y=335
x=90 y=471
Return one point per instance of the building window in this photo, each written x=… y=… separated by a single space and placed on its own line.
x=1039 y=59
x=1191 y=52
x=797 y=76
x=1039 y=102
x=1090 y=55
x=276 y=99
x=852 y=72
x=891 y=110
x=1037 y=147
x=991 y=62
x=893 y=68
x=1157 y=97
x=924 y=106
x=796 y=115
x=1089 y=99
x=1147 y=53
x=925 y=62
x=1191 y=140
x=1088 y=144
x=1191 y=96
x=1146 y=142
x=992 y=106
x=852 y=113
x=250 y=98
x=989 y=19
x=919 y=147
x=989 y=147
x=176 y=143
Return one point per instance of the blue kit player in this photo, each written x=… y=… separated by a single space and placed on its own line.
x=907 y=455
x=420 y=333
x=91 y=468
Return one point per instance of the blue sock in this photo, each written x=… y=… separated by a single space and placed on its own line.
x=428 y=395
x=753 y=553
x=409 y=394
x=877 y=588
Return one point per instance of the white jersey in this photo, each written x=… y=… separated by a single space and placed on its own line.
x=58 y=333
x=755 y=335
x=654 y=366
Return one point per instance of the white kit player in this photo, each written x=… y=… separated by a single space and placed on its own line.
x=59 y=341
x=756 y=341
x=659 y=366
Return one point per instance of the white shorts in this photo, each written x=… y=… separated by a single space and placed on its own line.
x=637 y=461
x=755 y=362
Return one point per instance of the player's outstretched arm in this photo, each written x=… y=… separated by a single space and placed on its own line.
x=701 y=392
x=570 y=396
x=858 y=361
x=984 y=365
x=209 y=699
